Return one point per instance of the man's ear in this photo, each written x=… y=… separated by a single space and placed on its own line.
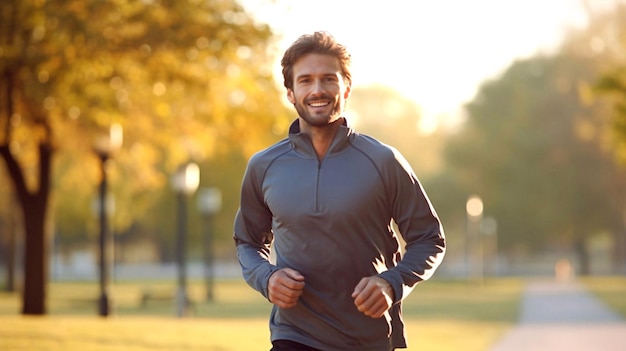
x=346 y=94
x=290 y=96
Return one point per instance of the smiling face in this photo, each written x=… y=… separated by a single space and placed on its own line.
x=319 y=91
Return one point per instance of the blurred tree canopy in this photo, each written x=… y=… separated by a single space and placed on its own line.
x=384 y=113
x=534 y=148
x=607 y=35
x=188 y=80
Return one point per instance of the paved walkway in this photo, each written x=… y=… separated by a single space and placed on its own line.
x=559 y=316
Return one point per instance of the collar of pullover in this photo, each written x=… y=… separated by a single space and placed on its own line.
x=302 y=142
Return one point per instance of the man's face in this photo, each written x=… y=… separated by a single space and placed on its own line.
x=319 y=92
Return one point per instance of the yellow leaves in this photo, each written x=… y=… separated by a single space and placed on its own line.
x=237 y=18
x=133 y=30
x=159 y=89
x=70 y=53
x=202 y=43
x=77 y=180
x=585 y=93
x=157 y=67
x=43 y=76
x=162 y=109
x=77 y=7
x=143 y=178
x=39 y=32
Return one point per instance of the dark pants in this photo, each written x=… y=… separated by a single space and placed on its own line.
x=288 y=345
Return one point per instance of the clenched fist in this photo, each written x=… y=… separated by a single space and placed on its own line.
x=373 y=296
x=285 y=287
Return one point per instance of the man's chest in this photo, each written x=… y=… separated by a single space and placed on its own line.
x=341 y=185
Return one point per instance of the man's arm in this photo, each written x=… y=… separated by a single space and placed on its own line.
x=418 y=224
x=253 y=233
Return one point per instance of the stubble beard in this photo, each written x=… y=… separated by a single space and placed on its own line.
x=319 y=120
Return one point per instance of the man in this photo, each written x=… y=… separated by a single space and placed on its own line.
x=326 y=197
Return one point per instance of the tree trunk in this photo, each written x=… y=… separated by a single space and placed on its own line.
x=35 y=263
x=582 y=253
x=33 y=205
x=10 y=248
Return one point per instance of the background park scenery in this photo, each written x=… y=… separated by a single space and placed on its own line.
x=125 y=127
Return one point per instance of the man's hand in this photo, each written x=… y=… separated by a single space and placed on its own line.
x=285 y=287
x=373 y=296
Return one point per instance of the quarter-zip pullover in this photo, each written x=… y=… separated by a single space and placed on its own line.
x=331 y=220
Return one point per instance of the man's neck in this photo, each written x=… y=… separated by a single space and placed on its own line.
x=321 y=137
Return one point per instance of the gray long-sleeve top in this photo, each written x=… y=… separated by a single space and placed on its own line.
x=331 y=220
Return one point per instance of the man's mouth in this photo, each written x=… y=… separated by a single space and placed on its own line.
x=319 y=103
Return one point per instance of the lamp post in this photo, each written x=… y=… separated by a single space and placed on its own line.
x=209 y=203
x=474 y=214
x=185 y=182
x=489 y=229
x=104 y=146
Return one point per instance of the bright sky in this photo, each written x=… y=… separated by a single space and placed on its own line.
x=436 y=53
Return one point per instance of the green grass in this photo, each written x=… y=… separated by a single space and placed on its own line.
x=439 y=315
x=610 y=290
x=455 y=315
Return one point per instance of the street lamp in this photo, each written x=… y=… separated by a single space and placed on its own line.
x=473 y=218
x=489 y=229
x=104 y=146
x=185 y=182
x=209 y=203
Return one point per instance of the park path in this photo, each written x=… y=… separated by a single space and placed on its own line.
x=562 y=315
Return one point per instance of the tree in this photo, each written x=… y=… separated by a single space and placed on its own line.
x=614 y=84
x=182 y=77
x=604 y=40
x=534 y=147
x=526 y=151
x=607 y=37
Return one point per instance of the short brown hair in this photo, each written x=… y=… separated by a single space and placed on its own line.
x=319 y=43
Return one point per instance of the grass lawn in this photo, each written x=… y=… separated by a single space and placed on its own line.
x=610 y=290
x=439 y=315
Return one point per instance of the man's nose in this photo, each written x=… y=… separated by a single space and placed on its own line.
x=318 y=88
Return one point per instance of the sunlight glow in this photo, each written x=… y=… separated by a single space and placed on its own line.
x=436 y=53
